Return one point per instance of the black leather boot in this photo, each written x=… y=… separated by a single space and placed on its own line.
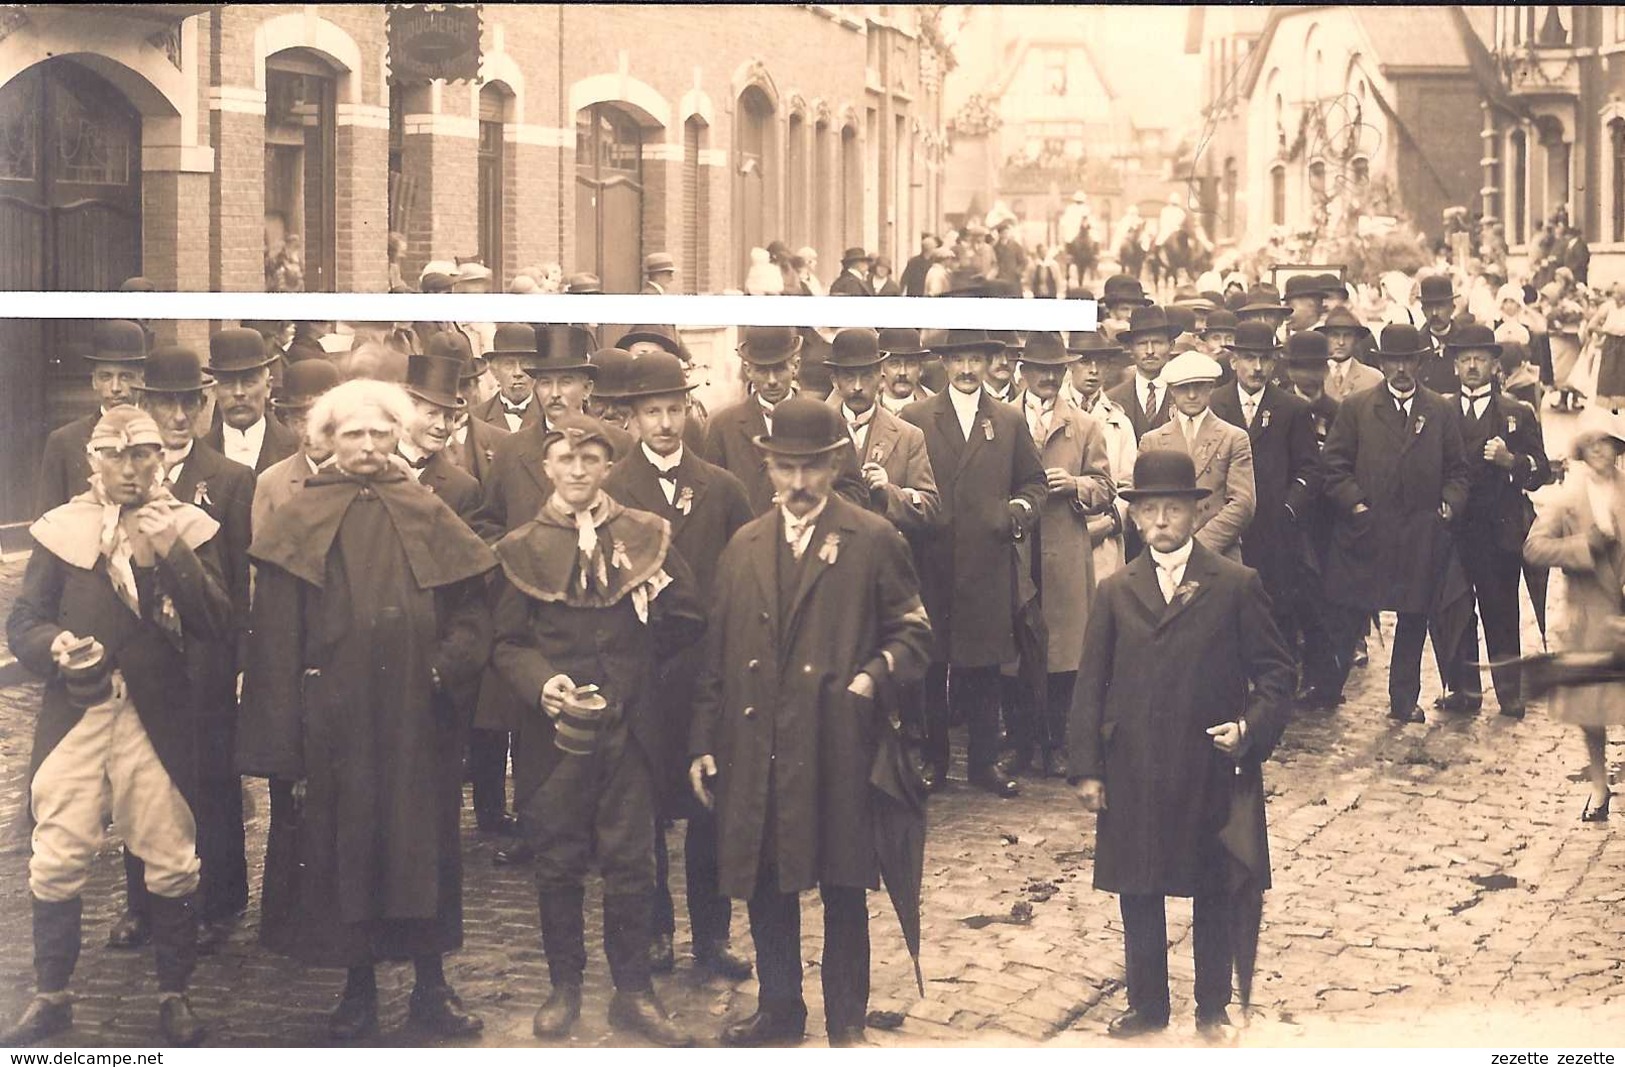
x=174 y=940
x=42 y=1018
x=179 y=1023
x=56 y=942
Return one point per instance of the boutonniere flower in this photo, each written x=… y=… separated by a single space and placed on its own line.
x=1186 y=590
x=830 y=550
x=987 y=429
x=1421 y=421
x=874 y=454
x=490 y=456
x=618 y=557
x=685 y=499
x=1264 y=420
x=200 y=495
x=1512 y=425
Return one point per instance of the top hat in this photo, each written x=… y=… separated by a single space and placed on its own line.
x=434 y=378
x=949 y=341
x=768 y=346
x=124 y=427
x=1342 y=319
x=1303 y=285
x=1401 y=340
x=901 y=341
x=854 y=255
x=1188 y=367
x=1472 y=335
x=117 y=341
x=655 y=374
x=1183 y=317
x=1090 y=346
x=578 y=428
x=1307 y=348
x=174 y=369
x=1258 y=337
x=664 y=336
x=614 y=372
x=1046 y=349
x=561 y=347
x=137 y=284
x=803 y=427
x=1164 y=472
x=1150 y=319
x=513 y=339
x=855 y=348
x=583 y=282
x=1437 y=289
x=658 y=263
x=1219 y=319
x=1123 y=288
x=303 y=382
x=235 y=350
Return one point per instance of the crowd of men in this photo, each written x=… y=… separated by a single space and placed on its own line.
x=368 y=582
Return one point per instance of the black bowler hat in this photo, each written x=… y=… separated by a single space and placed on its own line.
x=855 y=348
x=1303 y=285
x=613 y=372
x=1123 y=288
x=561 y=347
x=1046 y=349
x=1264 y=297
x=803 y=427
x=947 y=342
x=454 y=344
x=1331 y=285
x=656 y=374
x=1091 y=346
x=1307 y=348
x=434 y=378
x=1150 y=319
x=768 y=346
x=1401 y=340
x=1258 y=337
x=1164 y=472
x=901 y=341
x=854 y=255
x=1342 y=319
x=1437 y=289
x=664 y=336
x=1472 y=335
x=1219 y=319
x=235 y=350
x=513 y=339
x=1182 y=317
x=117 y=341
x=304 y=382
x=174 y=369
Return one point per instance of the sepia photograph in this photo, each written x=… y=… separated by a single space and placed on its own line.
x=1240 y=665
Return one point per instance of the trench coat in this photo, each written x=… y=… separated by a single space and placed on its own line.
x=1122 y=448
x=1153 y=678
x=772 y=705
x=965 y=572
x=363 y=587
x=1386 y=559
x=1066 y=562
x=1559 y=538
x=1224 y=464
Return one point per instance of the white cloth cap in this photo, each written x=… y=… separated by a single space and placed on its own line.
x=1190 y=367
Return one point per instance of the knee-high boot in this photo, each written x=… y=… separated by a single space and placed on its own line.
x=56 y=942
x=628 y=918
x=174 y=943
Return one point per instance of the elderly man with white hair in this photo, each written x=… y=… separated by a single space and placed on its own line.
x=368 y=614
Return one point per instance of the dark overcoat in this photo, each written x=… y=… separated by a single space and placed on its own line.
x=1286 y=475
x=72 y=591
x=772 y=705
x=849 y=284
x=1389 y=558
x=1498 y=510
x=477 y=453
x=458 y=488
x=1153 y=678
x=965 y=570
x=280 y=442
x=730 y=443
x=364 y=587
x=491 y=412
x=64 y=467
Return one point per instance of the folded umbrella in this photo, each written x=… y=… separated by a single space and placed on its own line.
x=1032 y=636
x=1246 y=840
x=898 y=818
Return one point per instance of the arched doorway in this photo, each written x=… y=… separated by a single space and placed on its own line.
x=70 y=219
x=752 y=163
x=495 y=104
x=609 y=197
x=301 y=179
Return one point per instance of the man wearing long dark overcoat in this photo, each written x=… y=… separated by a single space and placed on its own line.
x=1182 y=689
x=816 y=614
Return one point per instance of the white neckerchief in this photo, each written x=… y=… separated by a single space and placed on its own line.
x=1250 y=403
x=965 y=406
x=243 y=446
x=1171 y=568
x=664 y=464
x=798 y=532
x=175 y=461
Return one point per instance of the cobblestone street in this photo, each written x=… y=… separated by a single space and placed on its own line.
x=1432 y=885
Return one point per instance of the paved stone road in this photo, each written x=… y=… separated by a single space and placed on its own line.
x=1433 y=885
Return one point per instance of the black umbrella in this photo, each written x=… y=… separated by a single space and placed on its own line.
x=1537 y=579
x=1543 y=672
x=1246 y=840
x=1032 y=636
x=898 y=816
x=1450 y=617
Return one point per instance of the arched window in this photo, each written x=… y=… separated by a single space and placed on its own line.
x=851 y=188
x=1278 y=195
x=696 y=206
x=795 y=185
x=609 y=197
x=301 y=129
x=1616 y=192
x=823 y=193
x=1518 y=201
x=753 y=163
x=495 y=101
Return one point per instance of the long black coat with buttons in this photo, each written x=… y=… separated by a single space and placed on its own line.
x=772 y=704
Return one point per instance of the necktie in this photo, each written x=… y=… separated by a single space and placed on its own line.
x=1150 y=398
x=417 y=464
x=667 y=476
x=1165 y=578
x=1249 y=408
x=514 y=409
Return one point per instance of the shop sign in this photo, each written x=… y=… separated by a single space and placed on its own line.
x=430 y=42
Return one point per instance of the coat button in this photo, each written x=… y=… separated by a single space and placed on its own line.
x=754 y=664
x=765 y=616
x=806 y=668
x=750 y=712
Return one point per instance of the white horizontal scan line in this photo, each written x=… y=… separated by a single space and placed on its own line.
x=957 y=313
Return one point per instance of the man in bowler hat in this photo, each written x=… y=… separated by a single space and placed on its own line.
x=1437 y=370
x=117 y=353
x=245 y=430
x=854 y=277
x=817 y=617
x=513 y=406
x=1183 y=687
x=1149 y=339
x=888 y=454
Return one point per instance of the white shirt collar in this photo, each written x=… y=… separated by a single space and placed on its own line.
x=659 y=462
x=891 y=404
x=862 y=420
x=965 y=404
x=412 y=452
x=175 y=461
x=1193 y=423
x=243 y=446
x=1175 y=560
x=1402 y=399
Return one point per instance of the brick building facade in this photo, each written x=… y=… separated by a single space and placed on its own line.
x=181 y=141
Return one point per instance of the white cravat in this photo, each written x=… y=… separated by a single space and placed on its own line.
x=243 y=446
x=1249 y=405
x=965 y=406
x=798 y=532
x=1171 y=568
x=664 y=465
x=1473 y=404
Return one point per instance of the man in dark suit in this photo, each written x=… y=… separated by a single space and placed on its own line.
x=705 y=506
x=854 y=277
x=172 y=393
x=816 y=619
x=991 y=482
x=1181 y=695
x=772 y=359
x=1506 y=460
x=1149 y=338
x=431 y=382
x=1286 y=476
x=1318 y=620
x=912 y=279
x=118 y=351
x=473 y=442
x=1437 y=370
x=244 y=429
x=512 y=407
x=888 y=454
x=1396 y=476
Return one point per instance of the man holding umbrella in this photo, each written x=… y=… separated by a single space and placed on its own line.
x=816 y=618
x=1165 y=742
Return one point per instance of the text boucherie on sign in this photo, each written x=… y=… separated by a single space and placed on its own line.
x=434 y=41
